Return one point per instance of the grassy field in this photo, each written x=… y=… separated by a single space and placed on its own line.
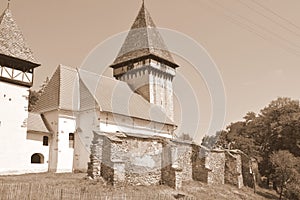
x=78 y=186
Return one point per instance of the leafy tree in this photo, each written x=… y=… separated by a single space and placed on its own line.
x=33 y=98
x=210 y=141
x=35 y=95
x=285 y=171
x=276 y=127
x=185 y=137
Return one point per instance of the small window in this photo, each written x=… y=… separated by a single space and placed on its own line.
x=71 y=140
x=45 y=141
x=37 y=158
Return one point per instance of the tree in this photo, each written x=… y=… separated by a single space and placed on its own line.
x=35 y=95
x=185 y=137
x=210 y=141
x=285 y=173
x=276 y=127
x=33 y=98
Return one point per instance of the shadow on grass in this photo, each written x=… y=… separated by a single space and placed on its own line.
x=267 y=195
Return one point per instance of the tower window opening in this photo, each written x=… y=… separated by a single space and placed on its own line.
x=71 y=140
x=45 y=140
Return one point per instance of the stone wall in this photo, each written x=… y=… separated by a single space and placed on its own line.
x=183 y=158
x=233 y=169
x=137 y=160
x=142 y=158
x=171 y=173
x=215 y=163
x=94 y=166
x=200 y=172
x=122 y=159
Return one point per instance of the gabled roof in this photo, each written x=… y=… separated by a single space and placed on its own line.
x=61 y=92
x=143 y=40
x=12 y=42
x=67 y=90
x=36 y=123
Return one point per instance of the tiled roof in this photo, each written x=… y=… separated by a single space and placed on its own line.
x=61 y=92
x=117 y=97
x=142 y=40
x=70 y=90
x=12 y=42
x=36 y=123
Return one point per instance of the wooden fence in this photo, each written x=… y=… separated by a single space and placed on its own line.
x=35 y=191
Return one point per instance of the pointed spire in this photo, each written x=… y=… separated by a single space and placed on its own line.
x=143 y=40
x=12 y=42
x=8 y=2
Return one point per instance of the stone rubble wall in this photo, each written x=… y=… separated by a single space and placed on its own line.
x=142 y=158
x=154 y=161
x=215 y=163
x=94 y=166
x=200 y=172
x=171 y=173
x=184 y=160
x=233 y=169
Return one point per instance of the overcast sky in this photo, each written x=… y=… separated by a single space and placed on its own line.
x=255 y=44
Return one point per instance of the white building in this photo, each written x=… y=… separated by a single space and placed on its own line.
x=70 y=111
x=24 y=143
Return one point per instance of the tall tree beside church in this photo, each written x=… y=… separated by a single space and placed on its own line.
x=276 y=127
x=285 y=176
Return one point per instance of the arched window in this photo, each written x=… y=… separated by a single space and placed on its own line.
x=71 y=140
x=45 y=140
x=37 y=158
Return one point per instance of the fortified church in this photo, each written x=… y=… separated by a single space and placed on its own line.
x=119 y=128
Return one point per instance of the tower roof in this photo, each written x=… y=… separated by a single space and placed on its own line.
x=12 y=43
x=143 y=40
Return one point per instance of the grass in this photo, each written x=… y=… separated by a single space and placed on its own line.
x=78 y=186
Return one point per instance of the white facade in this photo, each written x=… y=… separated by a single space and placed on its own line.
x=17 y=146
x=61 y=147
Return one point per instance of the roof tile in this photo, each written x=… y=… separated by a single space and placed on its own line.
x=12 y=42
x=143 y=39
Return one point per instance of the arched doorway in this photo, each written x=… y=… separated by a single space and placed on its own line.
x=37 y=158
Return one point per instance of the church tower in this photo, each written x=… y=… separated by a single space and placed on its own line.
x=145 y=63
x=16 y=75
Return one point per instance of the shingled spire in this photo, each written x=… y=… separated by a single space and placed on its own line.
x=143 y=40
x=16 y=58
x=12 y=42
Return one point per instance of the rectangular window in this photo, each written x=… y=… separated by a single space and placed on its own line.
x=71 y=140
x=45 y=141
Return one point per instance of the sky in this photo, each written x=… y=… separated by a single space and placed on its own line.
x=255 y=46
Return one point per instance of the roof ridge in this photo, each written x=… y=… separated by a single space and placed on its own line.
x=67 y=67
x=2 y=15
x=99 y=75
